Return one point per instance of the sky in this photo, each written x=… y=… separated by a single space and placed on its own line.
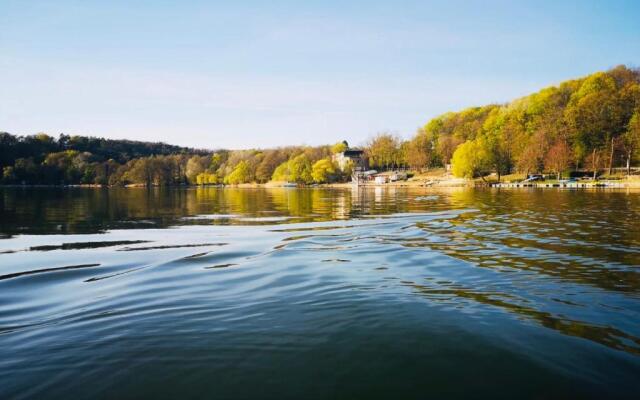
x=249 y=74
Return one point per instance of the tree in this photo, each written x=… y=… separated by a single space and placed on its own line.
x=195 y=166
x=446 y=147
x=66 y=166
x=104 y=171
x=631 y=139
x=281 y=173
x=216 y=160
x=240 y=174
x=206 y=178
x=419 y=151
x=300 y=169
x=383 y=150
x=497 y=154
x=323 y=171
x=269 y=163
x=339 y=147
x=558 y=157
x=140 y=171
x=594 y=114
x=471 y=159
x=8 y=175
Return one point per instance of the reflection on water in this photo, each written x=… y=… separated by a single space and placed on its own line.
x=319 y=293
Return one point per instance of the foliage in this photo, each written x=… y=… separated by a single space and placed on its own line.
x=471 y=159
x=339 y=147
x=592 y=116
x=383 y=151
x=324 y=171
x=300 y=169
x=240 y=174
x=591 y=122
x=558 y=157
x=420 y=150
x=631 y=138
x=281 y=173
x=57 y=161
x=207 y=178
x=196 y=165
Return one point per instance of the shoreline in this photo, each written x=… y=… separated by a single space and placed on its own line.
x=444 y=183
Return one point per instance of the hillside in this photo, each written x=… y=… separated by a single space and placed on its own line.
x=590 y=124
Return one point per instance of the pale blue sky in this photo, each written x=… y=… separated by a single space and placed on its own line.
x=260 y=74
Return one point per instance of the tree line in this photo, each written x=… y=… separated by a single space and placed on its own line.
x=588 y=124
x=591 y=123
x=43 y=159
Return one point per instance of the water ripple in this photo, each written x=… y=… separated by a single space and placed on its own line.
x=437 y=284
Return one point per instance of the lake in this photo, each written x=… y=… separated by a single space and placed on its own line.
x=319 y=293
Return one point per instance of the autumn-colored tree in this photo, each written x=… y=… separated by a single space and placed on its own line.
x=141 y=171
x=195 y=166
x=383 y=151
x=595 y=115
x=268 y=164
x=339 y=147
x=446 y=147
x=531 y=159
x=558 y=158
x=419 y=150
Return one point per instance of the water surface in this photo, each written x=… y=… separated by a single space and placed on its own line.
x=319 y=293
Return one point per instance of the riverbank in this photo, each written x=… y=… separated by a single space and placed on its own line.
x=424 y=181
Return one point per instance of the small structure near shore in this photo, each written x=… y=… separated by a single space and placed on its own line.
x=351 y=156
x=380 y=179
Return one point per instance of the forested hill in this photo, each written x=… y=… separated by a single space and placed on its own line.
x=43 y=159
x=39 y=146
x=589 y=125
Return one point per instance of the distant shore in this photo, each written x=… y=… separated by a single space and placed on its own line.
x=433 y=182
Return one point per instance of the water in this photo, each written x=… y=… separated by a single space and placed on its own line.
x=317 y=293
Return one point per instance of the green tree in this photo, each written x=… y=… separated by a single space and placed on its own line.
x=281 y=173
x=594 y=114
x=471 y=159
x=207 y=178
x=240 y=174
x=631 y=139
x=324 y=171
x=300 y=169
x=497 y=151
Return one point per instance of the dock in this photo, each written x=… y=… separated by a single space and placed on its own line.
x=569 y=185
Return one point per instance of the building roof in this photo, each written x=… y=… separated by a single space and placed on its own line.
x=353 y=152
